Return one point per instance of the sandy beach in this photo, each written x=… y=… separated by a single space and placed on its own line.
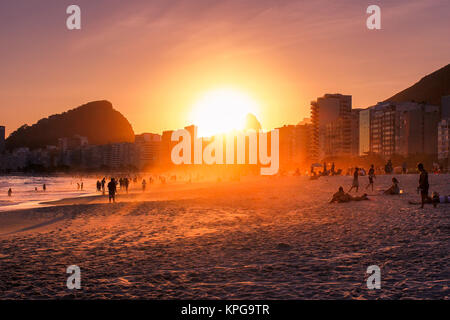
x=260 y=238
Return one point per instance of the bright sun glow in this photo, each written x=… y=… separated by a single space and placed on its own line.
x=222 y=111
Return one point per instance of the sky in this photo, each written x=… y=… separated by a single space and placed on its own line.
x=154 y=59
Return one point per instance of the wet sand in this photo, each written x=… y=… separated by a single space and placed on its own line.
x=265 y=238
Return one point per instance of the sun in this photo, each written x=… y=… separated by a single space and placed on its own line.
x=222 y=111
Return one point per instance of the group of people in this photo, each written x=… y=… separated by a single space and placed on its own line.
x=423 y=188
x=326 y=172
x=123 y=183
x=44 y=188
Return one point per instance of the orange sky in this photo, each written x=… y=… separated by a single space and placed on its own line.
x=154 y=59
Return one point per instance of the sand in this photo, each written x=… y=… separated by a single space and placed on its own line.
x=261 y=238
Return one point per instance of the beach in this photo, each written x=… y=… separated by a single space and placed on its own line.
x=258 y=238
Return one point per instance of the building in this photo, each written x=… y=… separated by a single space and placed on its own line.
x=2 y=139
x=166 y=148
x=71 y=143
x=149 y=149
x=405 y=128
x=295 y=146
x=445 y=107
x=355 y=131
x=331 y=117
x=119 y=155
x=364 y=132
x=444 y=143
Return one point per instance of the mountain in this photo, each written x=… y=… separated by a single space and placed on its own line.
x=98 y=121
x=429 y=89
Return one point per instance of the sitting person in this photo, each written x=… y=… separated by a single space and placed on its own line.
x=394 y=189
x=342 y=197
x=436 y=198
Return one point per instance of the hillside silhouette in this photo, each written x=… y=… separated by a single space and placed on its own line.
x=429 y=89
x=96 y=120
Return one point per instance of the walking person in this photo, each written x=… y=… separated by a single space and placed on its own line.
x=371 y=176
x=404 y=168
x=355 y=183
x=423 y=184
x=9 y=192
x=126 y=183
x=112 y=189
x=103 y=185
x=144 y=184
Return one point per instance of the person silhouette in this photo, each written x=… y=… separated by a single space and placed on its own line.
x=112 y=189
x=355 y=183
x=371 y=175
x=423 y=184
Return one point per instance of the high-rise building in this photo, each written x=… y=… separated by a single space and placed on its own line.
x=149 y=149
x=445 y=107
x=444 y=143
x=295 y=146
x=331 y=117
x=404 y=128
x=355 y=131
x=364 y=132
x=2 y=139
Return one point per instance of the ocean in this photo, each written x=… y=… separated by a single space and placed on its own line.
x=24 y=194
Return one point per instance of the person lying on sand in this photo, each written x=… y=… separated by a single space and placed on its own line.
x=394 y=189
x=341 y=197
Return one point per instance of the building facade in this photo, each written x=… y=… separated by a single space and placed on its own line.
x=295 y=145
x=149 y=149
x=444 y=143
x=364 y=132
x=331 y=117
x=2 y=139
x=405 y=128
x=445 y=107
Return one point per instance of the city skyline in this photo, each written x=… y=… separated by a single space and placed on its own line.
x=155 y=80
